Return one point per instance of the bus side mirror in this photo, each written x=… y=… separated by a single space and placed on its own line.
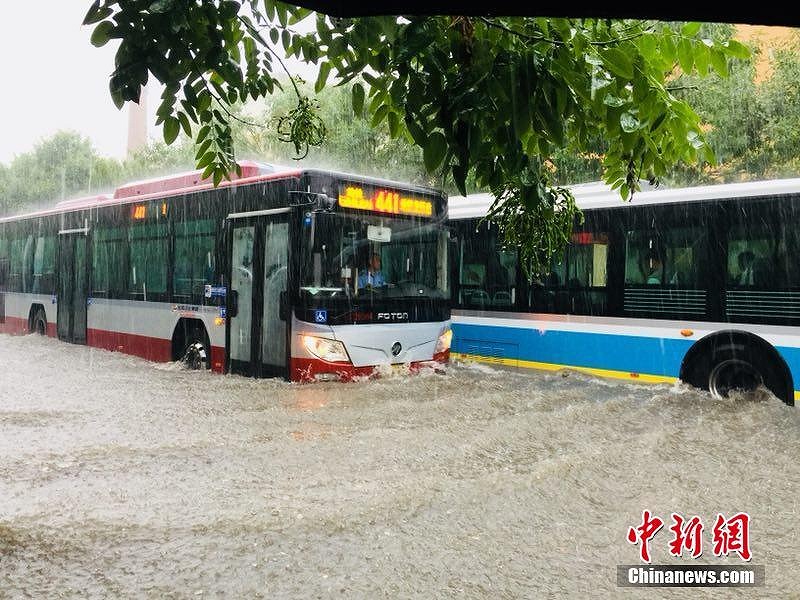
x=283 y=307
x=233 y=304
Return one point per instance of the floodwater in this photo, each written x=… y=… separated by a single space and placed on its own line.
x=123 y=478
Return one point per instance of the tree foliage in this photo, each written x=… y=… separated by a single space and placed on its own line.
x=494 y=97
x=56 y=168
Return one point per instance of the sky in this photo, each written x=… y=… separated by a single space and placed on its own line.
x=54 y=79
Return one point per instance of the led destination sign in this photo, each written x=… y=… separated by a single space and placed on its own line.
x=384 y=201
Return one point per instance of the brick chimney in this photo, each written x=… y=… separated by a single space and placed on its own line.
x=137 y=123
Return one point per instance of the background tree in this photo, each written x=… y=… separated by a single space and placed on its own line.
x=492 y=96
x=56 y=168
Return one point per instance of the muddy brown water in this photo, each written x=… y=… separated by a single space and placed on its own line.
x=124 y=478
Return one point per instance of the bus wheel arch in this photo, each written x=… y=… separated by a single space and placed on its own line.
x=727 y=359
x=191 y=344
x=37 y=320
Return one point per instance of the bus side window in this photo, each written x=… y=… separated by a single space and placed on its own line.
x=3 y=261
x=108 y=262
x=487 y=271
x=44 y=265
x=148 y=259
x=758 y=257
x=668 y=259
x=21 y=260
x=194 y=265
x=588 y=276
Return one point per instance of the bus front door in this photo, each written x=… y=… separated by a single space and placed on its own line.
x=72 y=287
x=256 y=336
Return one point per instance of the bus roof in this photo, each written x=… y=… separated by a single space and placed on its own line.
x=192 y=181
x=160 y=187
x=599 y=195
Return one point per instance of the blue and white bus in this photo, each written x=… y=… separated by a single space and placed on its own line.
x=697 y=284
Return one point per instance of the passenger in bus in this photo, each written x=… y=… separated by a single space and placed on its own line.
x=372 y=275
x=655 y=269
x=746 y=261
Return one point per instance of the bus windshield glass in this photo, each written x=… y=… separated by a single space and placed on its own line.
x=355 y=257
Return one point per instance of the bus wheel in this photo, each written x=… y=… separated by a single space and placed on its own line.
x=733 y=374
x=39 y=324
x=734 y=363
x=196 y=356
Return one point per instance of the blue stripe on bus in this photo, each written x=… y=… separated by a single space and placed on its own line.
x=646 y=355
x=792 y=358
x=626 y=353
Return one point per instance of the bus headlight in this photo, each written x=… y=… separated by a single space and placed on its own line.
x=325 y=349
x=443 y=343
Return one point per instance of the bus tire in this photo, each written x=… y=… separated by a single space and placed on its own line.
x=190 y=344
x=39 y=321
x=196 y=356
x=731 y=361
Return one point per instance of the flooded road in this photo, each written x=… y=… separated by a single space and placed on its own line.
x=120 y=477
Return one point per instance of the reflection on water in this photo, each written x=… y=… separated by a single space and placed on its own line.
x=119 y=477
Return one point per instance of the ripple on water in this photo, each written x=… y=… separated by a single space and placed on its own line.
x=121 y=477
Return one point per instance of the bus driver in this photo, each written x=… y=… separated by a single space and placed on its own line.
x=372 y=277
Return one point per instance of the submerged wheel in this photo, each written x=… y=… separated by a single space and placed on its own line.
x=733 y=375
x=737 y=364
x=39 y=323
x=196 y=356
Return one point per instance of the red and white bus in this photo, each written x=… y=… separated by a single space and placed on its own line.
x=270 y=274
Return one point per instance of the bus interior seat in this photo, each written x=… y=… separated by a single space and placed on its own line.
x=502 y=298
x=479 y=299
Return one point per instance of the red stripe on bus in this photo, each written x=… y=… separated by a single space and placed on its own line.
x=14 y=326
x=155 y=349
x=218 y=359
x=306 y=369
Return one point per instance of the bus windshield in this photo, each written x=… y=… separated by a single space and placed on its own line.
x=373 y=256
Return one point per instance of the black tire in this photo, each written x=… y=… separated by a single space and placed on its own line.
x=39 y=322
x=736 y=365
x=197 y=354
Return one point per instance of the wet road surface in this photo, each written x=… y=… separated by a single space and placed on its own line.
x=120 y=477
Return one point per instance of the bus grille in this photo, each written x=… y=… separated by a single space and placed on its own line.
x=665 y=301
x=753 y=304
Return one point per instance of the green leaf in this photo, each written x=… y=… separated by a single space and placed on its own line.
x=701 y=58
x=207 y=159
x=202 y=148
x=380 y=115
x=417 y=133
x=322 y=77
x=720 y=62
x=96 y=13
x=434 y=151
x=685 y=56
x=358 y=99
x=187 y=127
x=219 y=174
x=618 y=62
x=171 y=129
x=394 y=124
x=102 y=33
x=690 y=29
x=737 y=49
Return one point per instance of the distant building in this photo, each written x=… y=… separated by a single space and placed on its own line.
x=137 y=123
